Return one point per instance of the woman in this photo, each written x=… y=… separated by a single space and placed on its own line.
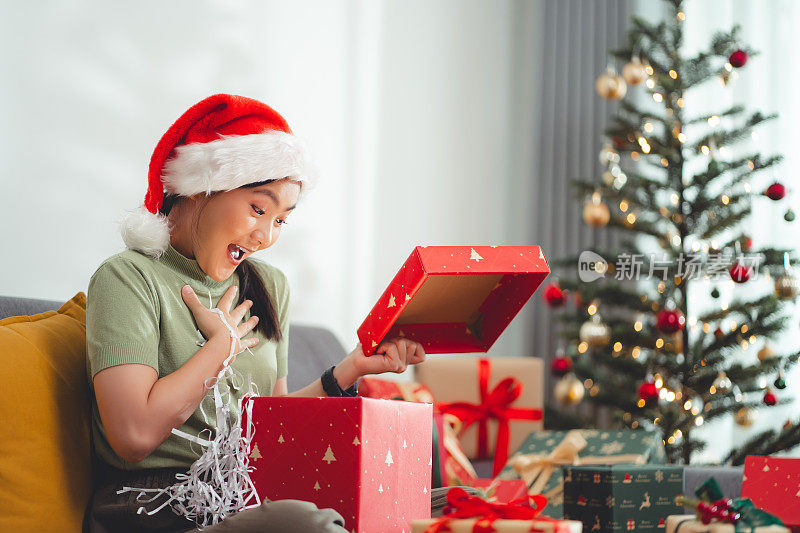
x=233 y=172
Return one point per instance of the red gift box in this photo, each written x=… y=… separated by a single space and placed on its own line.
x=368 y=459
x=454 y=299
x=386 y=389
x=772 y=484
x=450 y=466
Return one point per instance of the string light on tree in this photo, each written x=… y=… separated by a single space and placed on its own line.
x=722 y=384
x=608 y=156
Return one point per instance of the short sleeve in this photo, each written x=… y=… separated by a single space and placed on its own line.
x=122 y=318
x=282 y=351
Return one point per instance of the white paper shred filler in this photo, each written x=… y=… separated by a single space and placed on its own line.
x=218 y=483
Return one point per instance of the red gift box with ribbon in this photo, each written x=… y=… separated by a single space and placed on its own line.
x=498 y=400
x=455 y=299
x=465 y=513
x=368 y=459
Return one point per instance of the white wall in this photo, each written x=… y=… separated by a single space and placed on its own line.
x=405 y=104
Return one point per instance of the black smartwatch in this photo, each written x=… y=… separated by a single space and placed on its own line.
x=332 y=388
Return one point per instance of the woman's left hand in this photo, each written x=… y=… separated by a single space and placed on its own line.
x=393 y=355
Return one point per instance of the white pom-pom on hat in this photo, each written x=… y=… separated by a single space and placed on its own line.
x=144 y=231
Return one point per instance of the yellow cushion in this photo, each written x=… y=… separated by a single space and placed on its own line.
x=45 y=455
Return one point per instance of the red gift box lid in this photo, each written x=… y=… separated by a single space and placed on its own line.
x=772 y=484
x=455 y=299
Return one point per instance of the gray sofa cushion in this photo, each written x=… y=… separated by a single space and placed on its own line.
x=311 y=349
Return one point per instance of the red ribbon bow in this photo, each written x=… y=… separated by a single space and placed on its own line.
x=461 y=504
x=493 y=404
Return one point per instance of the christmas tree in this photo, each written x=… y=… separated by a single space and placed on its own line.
x=649 y=336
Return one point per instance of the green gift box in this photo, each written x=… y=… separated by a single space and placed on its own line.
x=540 y=458
x=622 y=497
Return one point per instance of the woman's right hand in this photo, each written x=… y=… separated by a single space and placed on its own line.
x=209 y=321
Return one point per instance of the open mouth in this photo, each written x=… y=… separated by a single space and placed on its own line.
x=236 y=253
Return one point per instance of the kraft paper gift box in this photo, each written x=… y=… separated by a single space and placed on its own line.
x=539 y=459
x=608 y=498
x=450 y=465
x=689 y=523
x=773 y=484
x=478 y=390
x=455 y=299
x=368 y=459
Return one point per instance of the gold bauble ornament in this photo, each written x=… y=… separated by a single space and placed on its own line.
x=765 y=353
x=595 y=212
x=745 y=416
x=787 y=286
x=634 y=72
x=610 y=85
x=676 y=341
x=594 y=332
x=569 y=390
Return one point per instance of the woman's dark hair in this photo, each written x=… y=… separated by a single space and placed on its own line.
x=251 y=286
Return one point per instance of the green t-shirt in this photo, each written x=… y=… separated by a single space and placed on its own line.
x=135 y=314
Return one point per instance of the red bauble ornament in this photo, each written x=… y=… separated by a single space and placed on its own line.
x=579 y=303
x=718 y=332
x=738 y=58
x=619 y=142
x=746 y=243
x=648 y=392
x=670 y=320
x=560 y=366
x=741 y=273
x=770 y=398
x=554 y=296
x=776 y=191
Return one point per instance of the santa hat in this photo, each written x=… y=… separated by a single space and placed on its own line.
x=219 y=144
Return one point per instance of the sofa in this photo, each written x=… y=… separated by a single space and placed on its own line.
x=45 y=454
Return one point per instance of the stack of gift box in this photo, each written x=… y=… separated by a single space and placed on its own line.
x=377 y=457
